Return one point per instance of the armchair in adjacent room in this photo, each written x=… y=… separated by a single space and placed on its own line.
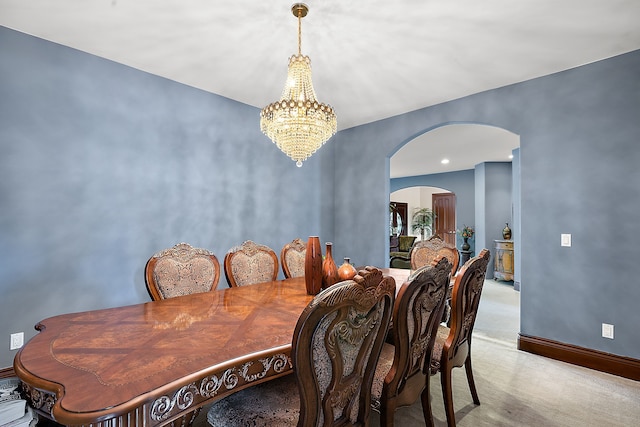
x=402 y=257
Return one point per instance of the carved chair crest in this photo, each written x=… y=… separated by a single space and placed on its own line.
x=425 y=251
x=181 y=270
x=250 y=263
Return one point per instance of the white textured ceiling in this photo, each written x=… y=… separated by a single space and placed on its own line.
x=371 y=59
x=464 y=145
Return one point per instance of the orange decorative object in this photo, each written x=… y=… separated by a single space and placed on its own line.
x=346 y=270
x=313 y=266
x=329 y=269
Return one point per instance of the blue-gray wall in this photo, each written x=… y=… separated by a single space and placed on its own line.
x=517 y=209
x=579 y=174
x=102 y=165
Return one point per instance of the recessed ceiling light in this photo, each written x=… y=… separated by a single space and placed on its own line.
x=511 y=156
x=444 y=161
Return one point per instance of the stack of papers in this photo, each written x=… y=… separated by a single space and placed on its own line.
x=27 y=419
x=9 y=389
x=14 y=411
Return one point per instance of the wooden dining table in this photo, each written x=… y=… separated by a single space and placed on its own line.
x=157 y=363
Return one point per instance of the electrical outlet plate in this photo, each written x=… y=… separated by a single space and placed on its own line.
x=17 y=341
x=565 y=240
x=607 y=331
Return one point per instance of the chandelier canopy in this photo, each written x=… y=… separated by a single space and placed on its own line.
x=298 y=124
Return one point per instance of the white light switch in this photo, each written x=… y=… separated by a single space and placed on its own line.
x=565 y=240
x=17 y=341
x=607 y=331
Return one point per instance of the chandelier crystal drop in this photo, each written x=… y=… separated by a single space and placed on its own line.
x=298 y=124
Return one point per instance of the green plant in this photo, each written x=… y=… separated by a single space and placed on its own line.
x=422 y=221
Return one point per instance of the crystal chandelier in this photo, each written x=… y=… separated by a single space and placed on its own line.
x=298 y=124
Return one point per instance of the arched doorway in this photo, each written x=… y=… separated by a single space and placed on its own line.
x=453 y=156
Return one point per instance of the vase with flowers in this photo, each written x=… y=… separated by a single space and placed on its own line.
x=466 y=233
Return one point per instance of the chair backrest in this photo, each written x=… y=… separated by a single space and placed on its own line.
x=336 y=344
x=465 y=298
x=250 y=263
x=416 y=315
x=292 y=258
x=181 y=270
x=425 y=251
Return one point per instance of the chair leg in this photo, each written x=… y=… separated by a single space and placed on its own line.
x=426 y=404
x=447 y=395
x=387 y=412
x=472 y=383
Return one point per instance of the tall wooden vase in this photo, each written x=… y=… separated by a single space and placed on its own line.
x=329 y=268
x=313 y=266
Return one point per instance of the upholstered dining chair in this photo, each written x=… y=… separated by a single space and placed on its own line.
x=292 y=258
x=402 y=374
x=250 y=263
x=434 y=247
x=336 y=342
x=453 y=345
x=181 y=270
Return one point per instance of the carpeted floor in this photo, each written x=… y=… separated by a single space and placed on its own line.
x=518 y=388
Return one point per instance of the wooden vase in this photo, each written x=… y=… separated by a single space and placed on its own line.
x=329 y=268
x=313 y=266
x=347 y=271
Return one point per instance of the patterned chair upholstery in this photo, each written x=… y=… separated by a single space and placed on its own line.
x=453 y=345
x=425 y=251
x=181 y=270
x=336 y=343
x=250 y=263
x=292 y=258
x=402 y=374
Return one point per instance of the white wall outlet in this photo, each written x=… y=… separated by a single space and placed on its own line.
x=607 y=331
x=565 y=240
x=17 y=340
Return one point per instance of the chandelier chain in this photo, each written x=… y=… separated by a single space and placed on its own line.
x=299 y=32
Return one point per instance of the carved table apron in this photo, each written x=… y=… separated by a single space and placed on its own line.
x=152 y=364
